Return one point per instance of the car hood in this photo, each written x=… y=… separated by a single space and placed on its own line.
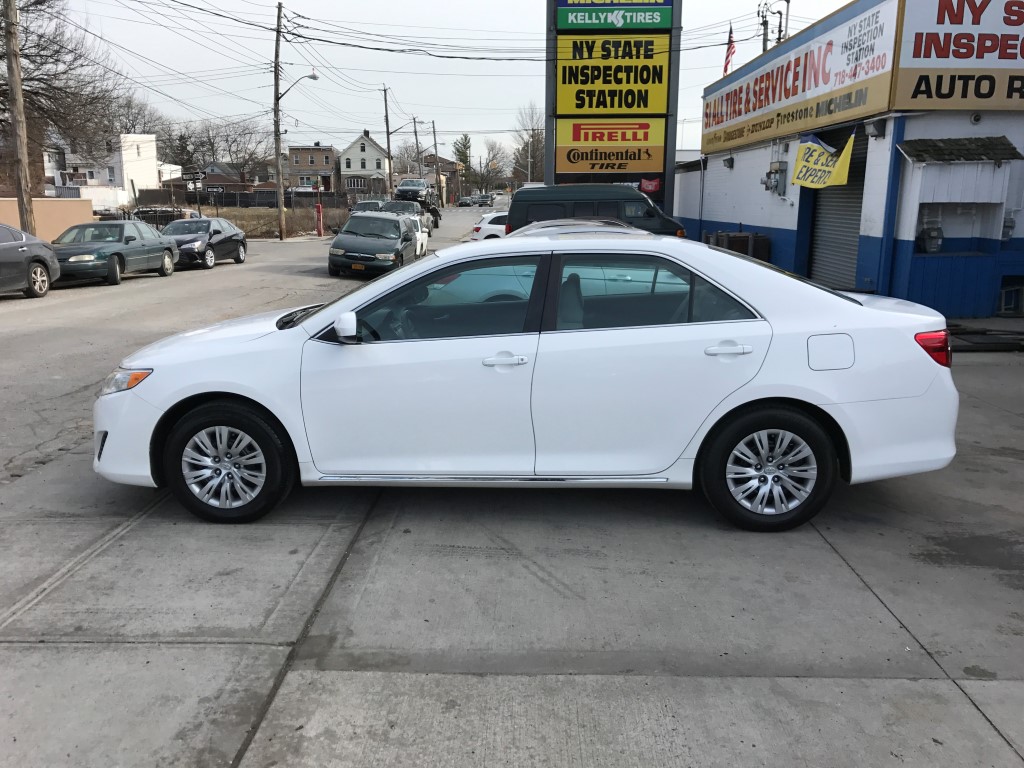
x=361 y=244
x=227 y=333
x=180 y=240
x=64 y=252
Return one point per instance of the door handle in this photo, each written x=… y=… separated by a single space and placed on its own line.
x=729 y=349
x=490 y=362
x=22 y=249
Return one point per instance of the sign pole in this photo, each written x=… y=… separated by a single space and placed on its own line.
x=673 y=111
x=550 y=92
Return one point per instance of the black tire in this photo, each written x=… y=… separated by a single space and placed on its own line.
x=240 y=254
x=38 y=281
x=400 y=261
x=114 y=270
x=717 y=455
x=491 y=237
x=278 y=463
x=166 y=264
x=208 y=259
x=333 y=271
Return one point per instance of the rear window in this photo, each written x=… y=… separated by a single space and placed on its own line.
x=544 y=212
x=773 y=268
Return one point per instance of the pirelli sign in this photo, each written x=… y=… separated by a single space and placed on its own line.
x=612 y=91
x=610 y=146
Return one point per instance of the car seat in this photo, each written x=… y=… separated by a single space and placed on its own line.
x=570 y=304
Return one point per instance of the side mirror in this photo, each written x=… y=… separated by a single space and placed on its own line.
x=216 y=232
x=345 y=326
x=649 y=213
x=129 y=238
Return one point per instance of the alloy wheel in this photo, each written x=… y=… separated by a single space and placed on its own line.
x=223 y=467
x=771 y=472
x=40 y=279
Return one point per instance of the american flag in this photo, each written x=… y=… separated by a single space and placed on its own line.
x=730 y=51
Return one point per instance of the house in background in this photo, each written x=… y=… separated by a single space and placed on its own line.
x=130 y=165
x=311 y=165
x=363 y=167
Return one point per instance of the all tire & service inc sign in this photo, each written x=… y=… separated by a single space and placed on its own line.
x=612 y=93
x=869 y=58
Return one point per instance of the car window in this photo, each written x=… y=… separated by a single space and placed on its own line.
x=484 y=298
x=544 y=212
x=634 y=209
x=187 y=227
x=499 y=219
x=145 y=233
x=149 y=230
x=607 y=209
x=605 y=291
x=6 y=236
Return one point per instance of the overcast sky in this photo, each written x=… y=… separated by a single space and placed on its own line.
x=193 y=64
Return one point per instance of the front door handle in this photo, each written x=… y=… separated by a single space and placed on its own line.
x=729 y=349
x=22 y=249
x=490 y=362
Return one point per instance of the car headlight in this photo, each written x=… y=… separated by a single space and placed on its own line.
x=188 y=246
x=122 y=379
x=83 y=257
x=337 y=251
x=384 y=256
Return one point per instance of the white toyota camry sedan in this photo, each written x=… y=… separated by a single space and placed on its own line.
x=560 y=360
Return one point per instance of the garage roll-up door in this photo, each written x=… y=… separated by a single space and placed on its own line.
x=836 y=229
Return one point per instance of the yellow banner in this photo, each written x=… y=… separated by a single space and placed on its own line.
x=819 y=165
x=612 y=75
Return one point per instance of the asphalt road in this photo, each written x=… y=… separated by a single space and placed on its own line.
x=373 y=627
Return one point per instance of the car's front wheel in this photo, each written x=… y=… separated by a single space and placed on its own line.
x=240 y=254
x=209 y=258
x=226 y=463
x=769 y=470
x=114 y=270
x=333 y=271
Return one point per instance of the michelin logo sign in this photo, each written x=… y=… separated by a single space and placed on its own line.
x=629 y=14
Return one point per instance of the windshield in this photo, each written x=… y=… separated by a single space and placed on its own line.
x=90 y=233
x=183 y=227
x=366 y=206
x=367 y=226
x=419 y=183
x=401 y=207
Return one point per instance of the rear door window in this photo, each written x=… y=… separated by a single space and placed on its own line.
x=544 y=212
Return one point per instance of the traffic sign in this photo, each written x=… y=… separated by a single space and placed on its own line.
x=215 y=189
x=197 y=176
x=190 y=185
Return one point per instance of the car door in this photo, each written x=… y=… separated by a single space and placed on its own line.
x=13 y=260
x=151 y=241
x=624 y=379
x=439 y=387
x=137 y=252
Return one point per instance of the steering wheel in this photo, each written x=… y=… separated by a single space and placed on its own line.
x=408 y=329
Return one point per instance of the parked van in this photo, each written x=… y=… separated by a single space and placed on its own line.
x=576 y=201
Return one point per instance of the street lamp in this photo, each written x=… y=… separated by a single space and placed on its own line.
x=277 y=142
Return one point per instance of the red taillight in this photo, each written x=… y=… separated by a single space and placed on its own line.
x=508 y=229
x=936 y=344
x=476 y=229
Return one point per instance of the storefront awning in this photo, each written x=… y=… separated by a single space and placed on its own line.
x=987 y=149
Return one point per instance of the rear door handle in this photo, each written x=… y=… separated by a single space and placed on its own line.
x=490 y=362
x=22 y=249
x=729 y=349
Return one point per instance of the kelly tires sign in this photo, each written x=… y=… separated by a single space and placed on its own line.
x=962 y=54
x=611 y=146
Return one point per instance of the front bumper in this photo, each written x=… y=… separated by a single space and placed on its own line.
x=80 y=270
x=356 y=266
x=123 y=425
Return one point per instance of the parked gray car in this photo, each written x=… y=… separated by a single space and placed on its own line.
x=27 y=264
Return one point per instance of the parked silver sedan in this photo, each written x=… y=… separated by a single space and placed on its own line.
x=27 y=264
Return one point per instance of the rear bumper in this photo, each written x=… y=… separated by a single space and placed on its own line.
x=893 y=438
x=123 y=426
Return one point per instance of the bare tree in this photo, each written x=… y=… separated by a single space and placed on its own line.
x=404 y=157
x=132 y=114
x=247 y=146
x=528 y=156
x=493 y=166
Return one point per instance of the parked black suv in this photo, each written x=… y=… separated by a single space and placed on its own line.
x=412 y=189
x=586 y=201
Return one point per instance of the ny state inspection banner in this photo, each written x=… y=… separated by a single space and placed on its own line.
x=818 y=165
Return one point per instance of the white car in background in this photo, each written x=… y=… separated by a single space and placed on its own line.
x=689 y=366
x=491 y=225
x=421 y=235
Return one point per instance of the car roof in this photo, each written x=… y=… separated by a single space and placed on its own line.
x=579 y=224
x=375 y=215
x=579 y=192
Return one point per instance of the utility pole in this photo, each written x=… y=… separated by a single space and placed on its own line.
x=787 y=21
x=419 y=160
x=277 y=123
x=387 y=130
x=437 y=165
x=18 y=126
x=764 y=25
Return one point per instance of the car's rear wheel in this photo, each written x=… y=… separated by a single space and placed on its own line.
x=166 y=264
x=38 y=281
x=240 y=255
x=209 y=258
x=226 y=463
x=114 y=270
x=769 y=470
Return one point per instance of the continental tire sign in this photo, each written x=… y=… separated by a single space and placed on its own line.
x=610 y=146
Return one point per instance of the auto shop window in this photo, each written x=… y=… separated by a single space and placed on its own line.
x=483 y=298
